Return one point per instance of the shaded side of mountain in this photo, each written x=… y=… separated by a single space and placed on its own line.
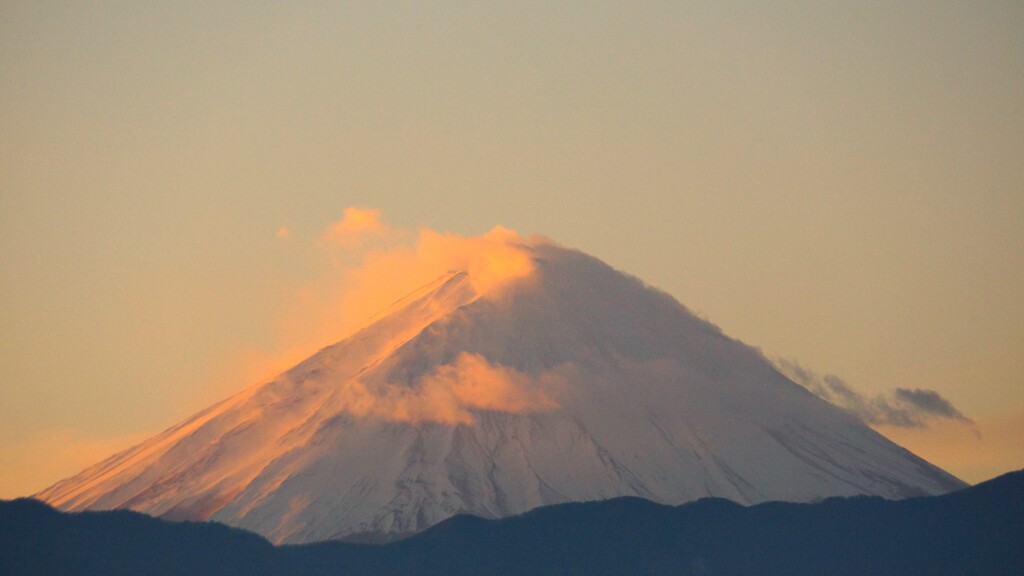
x=978 y=530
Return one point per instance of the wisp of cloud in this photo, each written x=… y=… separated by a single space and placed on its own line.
x=903 y=407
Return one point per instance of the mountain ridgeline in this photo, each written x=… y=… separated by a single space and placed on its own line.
x=482 y=394
x=975 y=531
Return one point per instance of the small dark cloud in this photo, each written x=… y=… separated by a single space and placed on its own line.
x=903 y=407
x=929 y=401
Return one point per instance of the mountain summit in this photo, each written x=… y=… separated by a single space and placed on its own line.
x=538 y=375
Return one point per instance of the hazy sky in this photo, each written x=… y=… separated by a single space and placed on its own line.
x=841 y=185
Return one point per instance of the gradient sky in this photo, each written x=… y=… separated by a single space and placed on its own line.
x=841 y=185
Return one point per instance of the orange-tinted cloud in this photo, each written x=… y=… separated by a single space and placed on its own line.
x=490 y=261
x=347 y=293
x=361 y=266
x=284 y=233
x=450 y=393
x=357 y=227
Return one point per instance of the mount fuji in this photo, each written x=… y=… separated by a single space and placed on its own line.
x=540 y=377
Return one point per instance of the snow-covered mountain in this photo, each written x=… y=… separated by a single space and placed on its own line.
x=495 y=390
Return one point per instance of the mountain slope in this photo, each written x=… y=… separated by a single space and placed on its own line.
x=490 y=395
x=976 y=531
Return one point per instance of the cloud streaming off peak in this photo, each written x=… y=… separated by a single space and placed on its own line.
x=361 y=264
x=905 y=408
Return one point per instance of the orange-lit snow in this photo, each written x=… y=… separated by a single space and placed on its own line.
x=529 y=374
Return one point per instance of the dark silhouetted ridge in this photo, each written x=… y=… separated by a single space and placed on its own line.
x=978 y=530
